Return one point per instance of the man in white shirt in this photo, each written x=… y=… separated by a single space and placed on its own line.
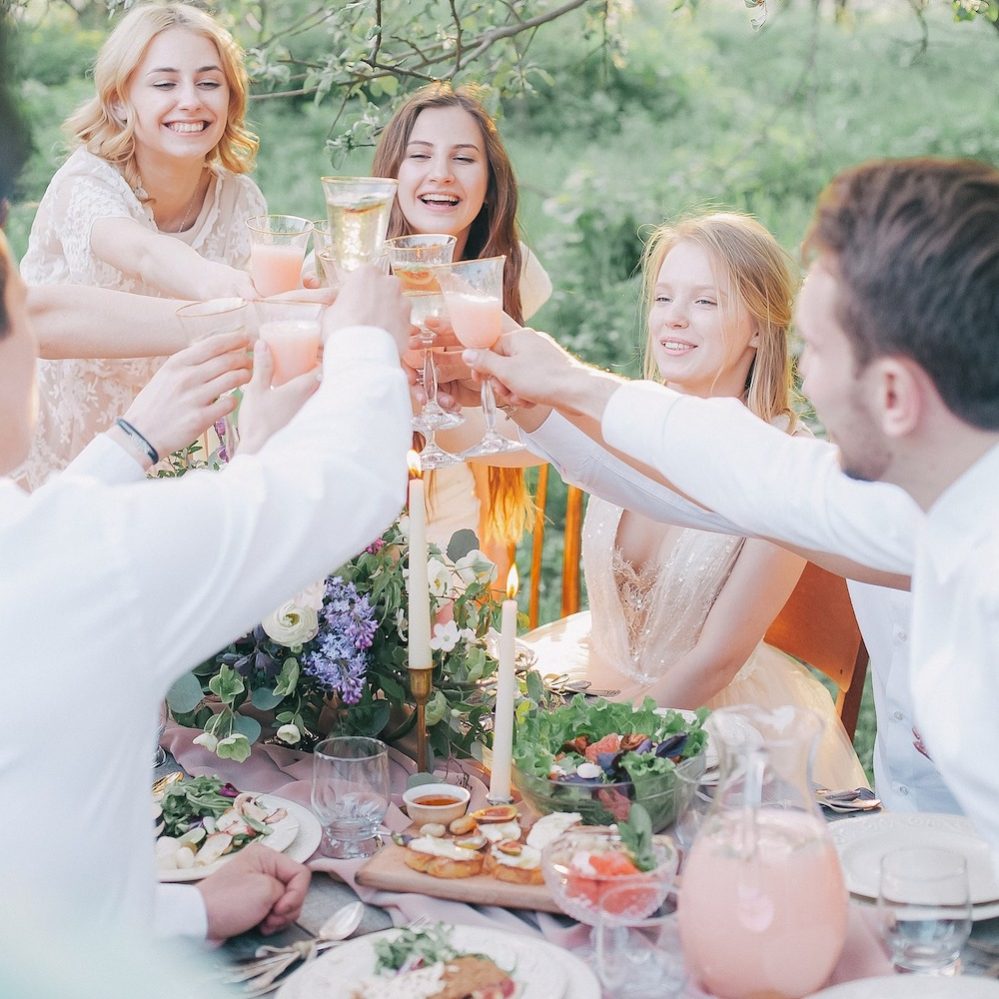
x=898 y=316
x=112 y=589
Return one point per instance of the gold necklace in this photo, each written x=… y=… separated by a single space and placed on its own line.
x=187 y=213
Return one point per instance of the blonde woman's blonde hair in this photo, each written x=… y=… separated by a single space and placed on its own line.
x=752 y=268
x=104 y=124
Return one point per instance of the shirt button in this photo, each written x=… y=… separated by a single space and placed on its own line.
x=900 y=635
x=903 y=790
x=897 y=716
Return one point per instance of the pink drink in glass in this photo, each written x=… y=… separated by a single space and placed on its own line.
x=276 y=268
x=294 y=346
x=477 y=319
x=768 y=922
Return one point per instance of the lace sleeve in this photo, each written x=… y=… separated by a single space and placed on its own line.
x=83 y=190
x=239 y=199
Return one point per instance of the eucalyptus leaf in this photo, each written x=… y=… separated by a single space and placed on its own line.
x=264 y=700
x=185 y=694
x=462 y=542
x=248 y=727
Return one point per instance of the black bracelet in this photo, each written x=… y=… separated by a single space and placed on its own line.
x=151 y=452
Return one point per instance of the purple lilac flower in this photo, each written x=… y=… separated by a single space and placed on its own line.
x=347 y=626
x=375 y=547
x=223 y=443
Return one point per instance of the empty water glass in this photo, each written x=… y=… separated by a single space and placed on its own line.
x=350 y=794
x=638 y=958
x=925 y=908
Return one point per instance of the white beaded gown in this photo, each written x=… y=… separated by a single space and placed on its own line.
x=641 y=622
x=79 y=399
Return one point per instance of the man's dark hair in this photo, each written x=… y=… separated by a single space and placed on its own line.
x=915 y=248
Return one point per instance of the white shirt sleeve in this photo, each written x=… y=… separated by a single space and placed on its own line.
x=106 y=460
x=179 y=911
x=771 y=485
x=582 y=462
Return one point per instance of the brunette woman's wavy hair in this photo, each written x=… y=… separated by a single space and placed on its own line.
x=493 y=233
x=104 y=124
x=751 y=265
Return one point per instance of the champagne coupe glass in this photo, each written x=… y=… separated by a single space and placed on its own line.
x=277 y=252
x=358 y=210
x=350 y=794
x=412 y=260
x=473 y=295
x=201 y=320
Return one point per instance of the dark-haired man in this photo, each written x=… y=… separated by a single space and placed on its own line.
x=899 y=315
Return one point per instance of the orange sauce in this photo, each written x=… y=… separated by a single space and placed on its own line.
x=435 y=799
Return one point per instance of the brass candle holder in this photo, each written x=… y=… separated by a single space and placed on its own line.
x=420 y=685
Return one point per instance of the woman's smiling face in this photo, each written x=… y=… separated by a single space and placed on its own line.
x=179 y=97
x=703 y=338
x=444 y=174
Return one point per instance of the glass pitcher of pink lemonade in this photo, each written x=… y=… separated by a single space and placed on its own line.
x=763 y=904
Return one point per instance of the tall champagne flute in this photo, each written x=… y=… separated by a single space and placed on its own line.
x=358 y=210
x=473 y=295
x=412 y=259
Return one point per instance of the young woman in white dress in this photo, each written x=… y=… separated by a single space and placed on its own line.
x=675 y=613
x=153 y=201
x=455 y=177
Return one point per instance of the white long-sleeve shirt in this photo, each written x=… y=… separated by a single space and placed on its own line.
x=109 y=592
x=714 y=451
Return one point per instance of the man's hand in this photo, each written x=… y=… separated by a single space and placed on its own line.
x=187 y=395
x=267 y=409
x=527 y=364
x=258 y=886
x=370 y=298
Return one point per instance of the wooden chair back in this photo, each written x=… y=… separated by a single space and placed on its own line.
x=817 y=625
x=571 y=553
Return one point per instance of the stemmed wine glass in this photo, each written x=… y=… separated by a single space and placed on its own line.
x=473 y=295
x=358 y=210
x=413 y=259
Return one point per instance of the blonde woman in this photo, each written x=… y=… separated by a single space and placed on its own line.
x=153 y=201
x=676 y=613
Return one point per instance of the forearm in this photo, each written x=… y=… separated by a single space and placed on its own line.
x=78 y=321
x=693 y=680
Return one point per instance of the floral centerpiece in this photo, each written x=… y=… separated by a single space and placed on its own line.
x=334 y=657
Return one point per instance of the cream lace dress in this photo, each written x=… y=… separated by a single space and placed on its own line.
x=80 y=398
x=640 y=622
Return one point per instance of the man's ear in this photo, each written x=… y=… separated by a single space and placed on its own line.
x=901 y=394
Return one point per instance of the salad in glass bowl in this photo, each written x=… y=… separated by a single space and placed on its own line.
x=599 y=757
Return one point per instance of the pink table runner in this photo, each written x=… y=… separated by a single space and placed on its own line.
x=288 y=773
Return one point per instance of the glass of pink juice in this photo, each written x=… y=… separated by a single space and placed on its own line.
x=293 y=333
x=277 y=252
x=473 y=296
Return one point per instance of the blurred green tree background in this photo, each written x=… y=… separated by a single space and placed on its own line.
x=617 y=114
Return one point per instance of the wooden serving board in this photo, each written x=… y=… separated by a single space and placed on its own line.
x=387 y=870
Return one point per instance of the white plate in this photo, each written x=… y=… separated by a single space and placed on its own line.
x=862 y=842
x=542 y=970
x=913 y=987
x=283 y=834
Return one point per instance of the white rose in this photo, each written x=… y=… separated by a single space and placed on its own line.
x=207 y=740
x=439 y=577
x=291 y=624
x=288 y=734
x=475 y=567
x=445 y=636
x=312 y=596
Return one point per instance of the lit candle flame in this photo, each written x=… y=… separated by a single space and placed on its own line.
x=413 y=460
x=512 y=582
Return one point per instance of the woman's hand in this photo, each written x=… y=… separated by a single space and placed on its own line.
x=188 y=394
x=267 y=408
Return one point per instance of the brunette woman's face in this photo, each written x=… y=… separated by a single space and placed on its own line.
x=703 y=339
x=444 y=174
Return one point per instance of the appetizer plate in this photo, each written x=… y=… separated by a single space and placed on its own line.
x=281 y=838
x=864 y=840
x=913 y=987
x=542 y=970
